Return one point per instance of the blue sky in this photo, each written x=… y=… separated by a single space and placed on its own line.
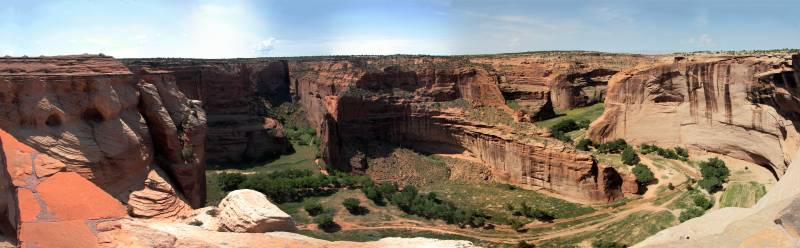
x=249 y=28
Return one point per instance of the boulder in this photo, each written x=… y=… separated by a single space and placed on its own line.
x=249 y=211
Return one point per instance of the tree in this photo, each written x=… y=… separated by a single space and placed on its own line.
x=682 y=152
x=583 y=144
x=353 y=206
x=517 y=225
x=615 y=146
x=702 y=202
x=325 y=222
x=230 y=181
x=629 y=156
x=691 y=213
x=607 y=244
x=523 y=244
x=644 y=175
x=715 y=173
x=313 y=208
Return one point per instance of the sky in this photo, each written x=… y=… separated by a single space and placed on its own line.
x=271 y=28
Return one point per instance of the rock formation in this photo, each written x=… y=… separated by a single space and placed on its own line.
x=741 y=106
x=79 y=141
x=249 y=211
x=418 y=104
x=236 y=95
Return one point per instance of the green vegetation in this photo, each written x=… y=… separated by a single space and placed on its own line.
x=644 y=175
x=586 y=114
x=353 y=206
x=607 y=244
x=630 y=230
x=493 y=198
x=676 y=153
x=583 y=144
x=692 y=203
x=530 y=212
x=560 y=129
x=614 y=146
x=523 y=244
x=325 y=221
x=230 y=181
x=742 y=194
x=313 y=208
x=715 y=173
x=374 y=235
x=691 y=213
x=294 y=185
x=430 y=206
x=629 y=156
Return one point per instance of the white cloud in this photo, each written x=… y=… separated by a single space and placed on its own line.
x=266 y=46
x=704 y=40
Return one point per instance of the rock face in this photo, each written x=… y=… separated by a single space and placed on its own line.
x=249 y=211
x=438 y=107
x=565 y=79
x=689 y=102
x=236 y=96
x=82 y=136
x=772 y=222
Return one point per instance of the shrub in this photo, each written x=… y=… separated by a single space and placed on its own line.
x=230 y=181
x=353 y=206
x=313 y=208
x=615 y=146
x=702 y=202
x=691 y=213
x=629 y=157
x=715 y=173
x=643 y=174
x=670 y=186
x=325 y=221
x=682 y=152
x=517 y=225
x=523 y=244
x=560 y=129
x=607 y=244
x=583 y=144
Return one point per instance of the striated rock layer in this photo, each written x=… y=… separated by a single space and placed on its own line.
x=741 y=106
x=82 y=136
x=236 y=95
x=418 y=104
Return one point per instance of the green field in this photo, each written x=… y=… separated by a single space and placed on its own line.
x=583 y=113
x=742 y=194
x=493 y=197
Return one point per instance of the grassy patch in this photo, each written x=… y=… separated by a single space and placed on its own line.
x=583 y=113
x=373 y=235
x=493 y=197
x=633 y=229
x=302 y=158
x=742 y=194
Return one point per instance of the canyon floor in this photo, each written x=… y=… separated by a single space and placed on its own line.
x=577 y=223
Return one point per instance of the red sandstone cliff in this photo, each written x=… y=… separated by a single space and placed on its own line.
x=81 y=136
x=741 y=106
x=236 y=95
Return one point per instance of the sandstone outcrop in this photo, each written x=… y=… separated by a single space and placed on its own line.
x=772 y=222
x=80 y=146
x=741 y=106
x=563 y=79
x=247 y=210
x=237 y=96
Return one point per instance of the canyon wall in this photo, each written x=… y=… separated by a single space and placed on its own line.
x=236 y=95
x=567 y=79
x=439 y=106
x=741 y=106
x=83 y=135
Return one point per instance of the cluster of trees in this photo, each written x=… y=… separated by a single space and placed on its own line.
x=430 y=206
x=629 y=156
x=677 y=153
x=644 y=175
x=291 y=185
x=615 y=146
x=379 y=193
x=715 y=173
x=325 y=222
x=560 y=129
x=583 y=144
x=525 y=210
x=701 y=204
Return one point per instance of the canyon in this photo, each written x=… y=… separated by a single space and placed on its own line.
x=129 y=139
